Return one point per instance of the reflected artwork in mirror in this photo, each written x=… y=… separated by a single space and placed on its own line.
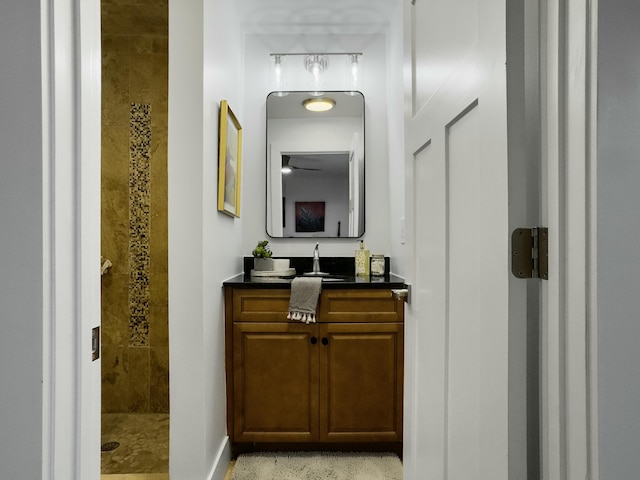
x=315 y=159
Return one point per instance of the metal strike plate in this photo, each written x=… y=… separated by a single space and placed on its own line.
x=95 y=343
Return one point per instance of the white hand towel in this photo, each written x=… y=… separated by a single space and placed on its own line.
x=304 y=299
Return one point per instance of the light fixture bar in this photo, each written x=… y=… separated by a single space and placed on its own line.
x=313 y=53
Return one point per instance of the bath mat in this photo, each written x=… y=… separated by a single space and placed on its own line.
x=317 y=466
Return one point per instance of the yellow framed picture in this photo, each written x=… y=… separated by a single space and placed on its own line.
x=229 y=162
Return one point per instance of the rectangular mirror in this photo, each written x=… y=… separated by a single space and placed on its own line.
x=315 y=165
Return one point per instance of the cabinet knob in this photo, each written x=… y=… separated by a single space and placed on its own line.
x=314 y=340
x=325 y=340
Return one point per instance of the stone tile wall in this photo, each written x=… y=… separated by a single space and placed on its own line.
x=135 y=334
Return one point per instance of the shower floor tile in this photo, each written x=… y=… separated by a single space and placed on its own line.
x=143 y=439
x=136 y=476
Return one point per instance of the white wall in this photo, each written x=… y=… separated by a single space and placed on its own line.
x=395 y=137
x=257 y=86
x=21 y=237
x=618 y=231
x=205 y=246
x=327 y=131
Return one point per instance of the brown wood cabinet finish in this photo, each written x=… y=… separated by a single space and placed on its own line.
x=337 y=381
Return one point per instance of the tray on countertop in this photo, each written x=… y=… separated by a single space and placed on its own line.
x=273 y=273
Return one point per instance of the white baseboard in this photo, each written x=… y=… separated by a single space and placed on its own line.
x=222 y=461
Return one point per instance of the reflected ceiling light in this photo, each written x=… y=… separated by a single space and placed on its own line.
x=322 y=104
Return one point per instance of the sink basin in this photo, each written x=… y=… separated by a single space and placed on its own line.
x=326 y=277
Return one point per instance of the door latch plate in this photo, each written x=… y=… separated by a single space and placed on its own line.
x=95 y=343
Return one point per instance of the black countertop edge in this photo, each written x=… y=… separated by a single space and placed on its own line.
x=334 y=265
x=346 y=281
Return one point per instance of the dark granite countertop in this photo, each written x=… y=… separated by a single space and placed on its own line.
x=345 y=281
x=341 y=270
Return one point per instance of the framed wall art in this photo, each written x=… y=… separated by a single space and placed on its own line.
x=229 y=161
x=309 y=216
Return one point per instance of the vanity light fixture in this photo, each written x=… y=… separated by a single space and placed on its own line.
x=322 y=104
x=317 y=65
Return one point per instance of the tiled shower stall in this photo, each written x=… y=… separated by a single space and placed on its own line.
x=135 y=333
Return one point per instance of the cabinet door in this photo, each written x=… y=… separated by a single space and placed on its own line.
x=275 y=374
x=361 y=378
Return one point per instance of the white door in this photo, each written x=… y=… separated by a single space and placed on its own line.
x=464 y=412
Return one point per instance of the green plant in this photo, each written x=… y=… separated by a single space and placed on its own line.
x=262 y=250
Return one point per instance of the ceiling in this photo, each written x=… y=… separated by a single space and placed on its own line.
x=327 y=165
x=312 y=16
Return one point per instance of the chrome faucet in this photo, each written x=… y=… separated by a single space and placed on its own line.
x=316 y=259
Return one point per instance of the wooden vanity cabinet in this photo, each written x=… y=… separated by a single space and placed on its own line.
x=339 y=380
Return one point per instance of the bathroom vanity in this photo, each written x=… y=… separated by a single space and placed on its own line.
x=335 y=384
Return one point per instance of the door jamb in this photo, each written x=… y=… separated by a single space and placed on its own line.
x=568 y=320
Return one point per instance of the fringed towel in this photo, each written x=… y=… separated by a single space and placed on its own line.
x=304 y=299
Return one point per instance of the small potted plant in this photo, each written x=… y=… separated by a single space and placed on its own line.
x=262 y=256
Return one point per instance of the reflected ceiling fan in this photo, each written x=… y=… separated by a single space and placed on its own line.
x=287 y=167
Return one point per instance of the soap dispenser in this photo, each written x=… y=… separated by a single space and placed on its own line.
x=362 y=260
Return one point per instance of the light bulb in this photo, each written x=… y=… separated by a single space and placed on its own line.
x=352 y=75
x=278 y=74
x=278 y=69
x=316 y=65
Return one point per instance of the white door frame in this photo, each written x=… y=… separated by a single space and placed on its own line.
x=71 y=73
x=568 y=323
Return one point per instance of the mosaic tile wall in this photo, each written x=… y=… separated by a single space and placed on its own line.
x=139 y=213
x=135 y=333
